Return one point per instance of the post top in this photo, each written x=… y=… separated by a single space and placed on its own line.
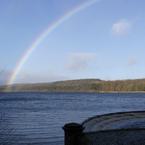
x=73 y=127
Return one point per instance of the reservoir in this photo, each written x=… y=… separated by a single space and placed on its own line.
x=37 y=118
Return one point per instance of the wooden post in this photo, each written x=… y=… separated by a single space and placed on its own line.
x=72 y=133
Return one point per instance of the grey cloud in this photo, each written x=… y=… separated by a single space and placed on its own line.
x=4 y=76
x=80 y=61
x=132 y=62
x=121 y=27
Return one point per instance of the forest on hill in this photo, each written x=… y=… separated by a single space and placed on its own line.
x=82 y=85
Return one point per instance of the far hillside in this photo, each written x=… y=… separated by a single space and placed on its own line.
x=82 y=85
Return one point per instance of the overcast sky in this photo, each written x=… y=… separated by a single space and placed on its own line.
x=105 y=40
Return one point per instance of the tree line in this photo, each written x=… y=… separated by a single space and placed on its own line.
x=84 y=85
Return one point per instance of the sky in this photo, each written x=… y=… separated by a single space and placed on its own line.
x=104 y=40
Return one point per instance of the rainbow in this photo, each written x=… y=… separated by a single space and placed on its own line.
x=44 y=34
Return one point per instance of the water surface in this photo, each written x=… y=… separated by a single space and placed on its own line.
x=37 y=118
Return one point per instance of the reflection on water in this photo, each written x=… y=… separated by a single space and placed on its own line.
x=37 y=118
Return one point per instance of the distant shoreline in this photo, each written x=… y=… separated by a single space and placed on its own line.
x=81 y=86
x=101 y=92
